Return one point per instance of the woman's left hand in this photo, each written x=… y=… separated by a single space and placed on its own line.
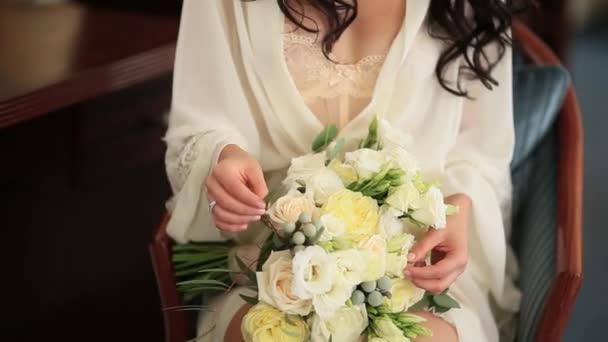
x=449 y=251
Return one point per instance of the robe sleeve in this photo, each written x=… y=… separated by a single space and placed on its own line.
x=478 y=166
x=209 y=111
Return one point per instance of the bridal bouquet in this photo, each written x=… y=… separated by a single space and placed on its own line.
x=332 y=268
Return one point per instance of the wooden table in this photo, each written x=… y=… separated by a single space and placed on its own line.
x=83 y=96
x=56 y=56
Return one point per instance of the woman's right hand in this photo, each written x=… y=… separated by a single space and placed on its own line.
x=237 y=185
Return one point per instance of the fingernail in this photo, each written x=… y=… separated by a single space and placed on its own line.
x=408 y=273
x=411 y=257
x=261 y=211
x=243 y=227
x=257 y=218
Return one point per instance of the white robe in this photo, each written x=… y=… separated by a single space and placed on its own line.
x=232 y=86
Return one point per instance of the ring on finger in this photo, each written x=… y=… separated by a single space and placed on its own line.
x=212 y=205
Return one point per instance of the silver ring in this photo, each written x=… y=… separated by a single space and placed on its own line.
x=211 y=206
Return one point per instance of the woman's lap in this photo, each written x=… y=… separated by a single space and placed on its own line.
x=472 y=322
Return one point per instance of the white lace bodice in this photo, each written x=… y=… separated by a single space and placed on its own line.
x=334 y=92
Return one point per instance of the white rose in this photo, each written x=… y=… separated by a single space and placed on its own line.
x=390 y=223
x=403 y=295
x=333 y=227
x=418 y=231
x=432 y=210
x=346 y=326
x=304 y=167
x=314 y=271
x=323 y=184
x=400 y=244
x=398 y=157
x=392 y=137
x=374 y=250
x=388 y=331
x=350 y=264
x=347 y=173
x=288 y=208
x=327 y=304
x=275 y=285
x=366 y=161
x=404 y=197
x=395 y=263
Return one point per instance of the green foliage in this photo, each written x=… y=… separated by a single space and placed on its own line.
x=440 y=303
x=201 y=269
x=324 y=138
x=380 y=184
x=371 y=141
x=250 y=300
x=335 y=151
x=408 y=323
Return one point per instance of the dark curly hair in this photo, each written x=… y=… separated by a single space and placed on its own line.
x=466 y=27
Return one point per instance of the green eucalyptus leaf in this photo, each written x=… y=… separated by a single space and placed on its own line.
x=324 y=138
x=250 y=300
x=444 y=300
x=371 y=140
x=424 y=303
x=198 y=282
x=335 y=151
x=246 y=270
x=440 y=309
x=219 y=270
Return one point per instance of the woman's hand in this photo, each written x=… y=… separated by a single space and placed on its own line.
x=449 y=251
x=237 y=185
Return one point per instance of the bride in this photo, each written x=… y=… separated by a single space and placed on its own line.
x=255 y=81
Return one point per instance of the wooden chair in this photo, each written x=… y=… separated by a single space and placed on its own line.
x=560 y=300
x=178 y=323
x=568 y=278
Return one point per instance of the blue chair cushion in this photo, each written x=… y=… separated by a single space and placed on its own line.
x=538 y=92
x=538 y=95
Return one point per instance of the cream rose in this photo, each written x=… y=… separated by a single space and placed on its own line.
x=314 y=270
x=359 y=214
x=403 y=295
x=432 y=209
x=263 y=323
x=275 y=285
x=288 y=208
x=346 y=326
x=374 y=250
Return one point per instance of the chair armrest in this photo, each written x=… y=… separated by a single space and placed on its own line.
x=561 y=298
x=177 y=322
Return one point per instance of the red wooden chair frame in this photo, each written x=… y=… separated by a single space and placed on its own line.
x=565 y=287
